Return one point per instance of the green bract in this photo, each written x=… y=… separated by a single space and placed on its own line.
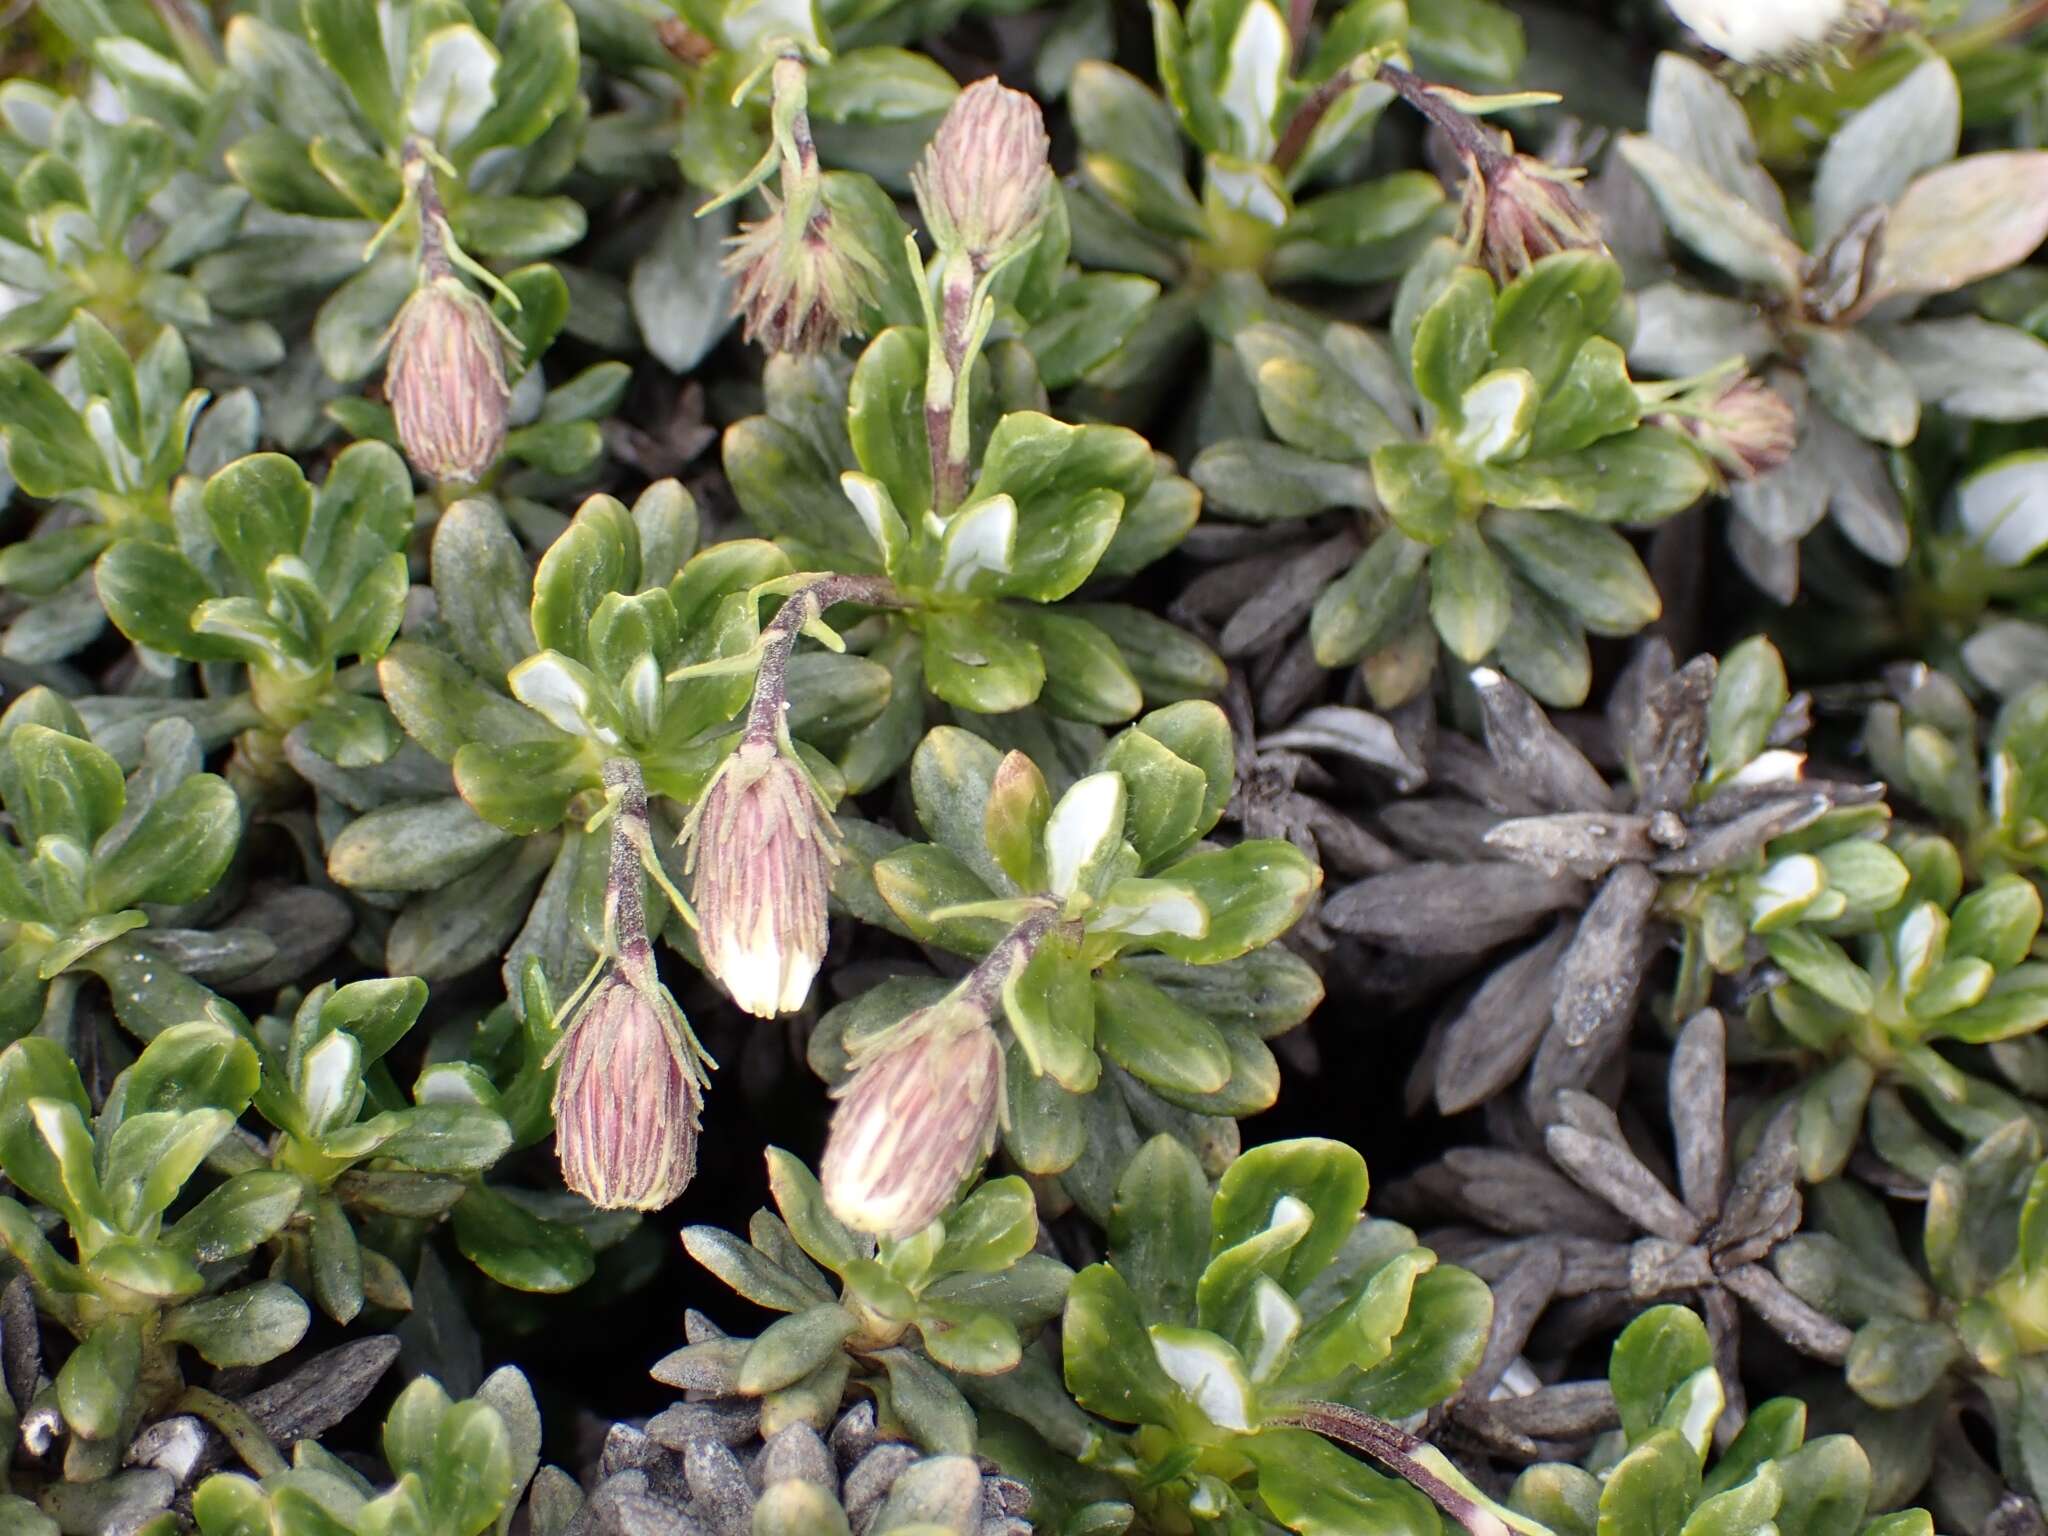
x=138 y=1284
x=839 y=472
x=343 y=86
x=1895 y=220
x=287 y=581
x=1218 y=1315
x=1147 y=1003
x=1939 y=967
x=636 y=644
x=90 y=851
x=954 y=1298
x=1492 y=503
x=1655 y=1473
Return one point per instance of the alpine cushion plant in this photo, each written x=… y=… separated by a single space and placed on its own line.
x=90 y=851
x=1220 y=1322
x=1896 y=219
x=1491 y=444
x=1091 y=920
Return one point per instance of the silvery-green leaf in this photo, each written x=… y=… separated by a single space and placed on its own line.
x=1254 y=71
x=981 y=538
x=452 y=74
x=2007 y=655
x=1084 y=832
x=1497 y=412
x=680 y=296
x=1965 y=220
x=1713 y=221
x=2004 y=507
x=1681 y=332
x=1861 y=497
x=1911 y=128
x=565 y=693
x=1698 y=119
x=350 y=329
x=1208 y=1373
x=1972 y=367
x=1865 y=389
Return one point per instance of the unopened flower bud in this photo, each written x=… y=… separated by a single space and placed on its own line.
x=762 y=847
x=627 y=1098
x=915 y=1121
x=1784 y=37
x=985 y=183
x=1747 y=428
x=1519 y=209
x=446 y=381
x=800 y=282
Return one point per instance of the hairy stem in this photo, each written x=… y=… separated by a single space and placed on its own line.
x=434 y=234
x=801 y=608
x=1401 y=1453
x=624 y=912
x=1473 y=141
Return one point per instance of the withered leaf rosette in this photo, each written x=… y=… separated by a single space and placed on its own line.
x=1128 y=966
x=897 y=1318
x=1896 y=220
x=1716 y=839
x=1230 y=1330
x=636 y=645
x=1490 y=445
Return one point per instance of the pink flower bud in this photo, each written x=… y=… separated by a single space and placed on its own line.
x=985 y=183
x=762 y=848
x=627 y=1100
x=915 y=1121
x=1747 y=428
x=446 y=381
x=1520 y=209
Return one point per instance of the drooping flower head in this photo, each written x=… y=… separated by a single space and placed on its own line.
x=762 y=846
x=801 y=280
x=1519 y=209
x=1743 y=425
x=915 y=1121
x=985 y=183
x=446 y=380
x=628 y=1096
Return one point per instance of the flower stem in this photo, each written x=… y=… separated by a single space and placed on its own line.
x=625 y=915
x=801 y=609
x=1413 y=1459
x=1471 y=140
x=419 y=173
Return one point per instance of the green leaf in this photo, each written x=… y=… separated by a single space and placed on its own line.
x=1158 y=1040
x=792 y=1347
x=1362 y=609
x=1050 y=1006
x=1311 y=402
x=1827 y=1487
x=928 y=1405
x=251 y=1326
x=95 y=1385
x=1253 y=892
x=1415 y=484
x=176 y=852
x=1652 y=1491
x=980 y=660
x=235 y=1216
x=50 y=453
x=535 y=82
x=885 y=418
x=1327 y=1177
x=31 y=1070
x=350 y=40
x=57 y=786
x=989 y=1230
x=1159 y=1228
x=1013 y=819
x=1086 y=676
x=259 y=508
x=1439 y=1345
x=597 y=555
x=1468 y=594
x=1654 y=1357
x=1453 y=342
x=1314 y=1488
x=952 y=776
x=1110 y=1366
